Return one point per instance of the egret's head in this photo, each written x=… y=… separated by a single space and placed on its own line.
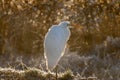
x=67 y=24
x=64 y=24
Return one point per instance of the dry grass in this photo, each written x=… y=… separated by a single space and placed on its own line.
x=36 y=74
x=31 y=74
x=70 y=67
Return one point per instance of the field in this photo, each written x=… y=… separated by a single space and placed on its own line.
x=93 y=50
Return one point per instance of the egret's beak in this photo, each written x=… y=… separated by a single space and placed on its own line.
x=70 y=26
x=75 y=25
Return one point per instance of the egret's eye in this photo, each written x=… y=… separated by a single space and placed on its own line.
x=68 y=24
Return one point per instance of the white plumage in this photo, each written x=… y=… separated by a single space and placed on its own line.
x=55 y=43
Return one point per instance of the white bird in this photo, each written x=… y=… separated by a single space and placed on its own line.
x=55 y=43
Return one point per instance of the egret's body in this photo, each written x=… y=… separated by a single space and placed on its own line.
x=55 y=43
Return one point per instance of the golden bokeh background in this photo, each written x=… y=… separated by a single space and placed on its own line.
x=23 y=23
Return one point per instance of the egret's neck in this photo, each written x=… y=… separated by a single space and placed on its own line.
x=63 y=25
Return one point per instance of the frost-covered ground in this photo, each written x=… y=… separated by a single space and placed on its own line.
x=70 y=67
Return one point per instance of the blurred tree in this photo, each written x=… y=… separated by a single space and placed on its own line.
x=23 y=23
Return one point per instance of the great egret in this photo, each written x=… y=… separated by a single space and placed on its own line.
x=55 y=43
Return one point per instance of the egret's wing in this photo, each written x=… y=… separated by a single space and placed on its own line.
x=56 y=38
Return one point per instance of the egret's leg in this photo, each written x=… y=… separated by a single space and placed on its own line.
x=56 y=72
x=49 y=77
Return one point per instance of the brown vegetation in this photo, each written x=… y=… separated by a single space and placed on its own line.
x=25 y=22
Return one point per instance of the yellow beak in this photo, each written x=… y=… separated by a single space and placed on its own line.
x=75 y=25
